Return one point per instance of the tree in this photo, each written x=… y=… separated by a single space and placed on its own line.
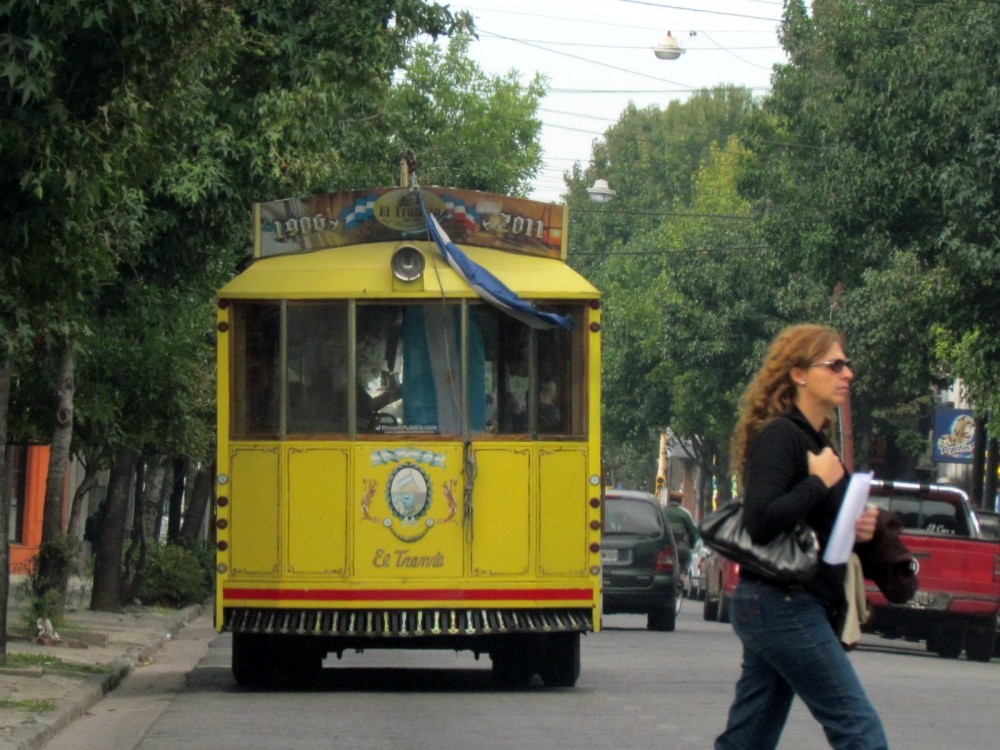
x=877 y=167
x=650 y=156
x=655 y=253
x=468 y=129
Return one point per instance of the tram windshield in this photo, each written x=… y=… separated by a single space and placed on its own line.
x=409 y=363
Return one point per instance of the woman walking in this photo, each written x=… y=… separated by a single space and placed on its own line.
x=789 y=473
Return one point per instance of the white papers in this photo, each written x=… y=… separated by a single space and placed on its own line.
x=841 y=544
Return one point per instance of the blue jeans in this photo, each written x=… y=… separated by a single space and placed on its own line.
x=789 y=649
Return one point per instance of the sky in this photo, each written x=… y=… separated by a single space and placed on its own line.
x=598 y=56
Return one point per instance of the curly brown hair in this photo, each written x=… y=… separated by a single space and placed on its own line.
x=771 y=393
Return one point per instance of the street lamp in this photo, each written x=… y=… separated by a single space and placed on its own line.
x=600 y=192
x=669 y=48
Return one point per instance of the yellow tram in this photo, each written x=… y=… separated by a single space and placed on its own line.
x=406 y=457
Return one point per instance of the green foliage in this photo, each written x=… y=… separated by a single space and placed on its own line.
x=50 y=663
x=46 y=599
x=31 y=705
x=690 y=290
x=469 y=129
x=877 y=166
x=175 y=577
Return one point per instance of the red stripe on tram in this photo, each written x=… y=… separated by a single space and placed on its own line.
x=289 y=595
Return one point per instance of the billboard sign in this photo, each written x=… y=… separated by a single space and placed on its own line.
x=954 y=436
x=298 y=225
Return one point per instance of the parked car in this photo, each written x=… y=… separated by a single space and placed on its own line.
x=639 y=560
x=693 y=588
x=957 y=606
x=989 y=523
x=721 y=577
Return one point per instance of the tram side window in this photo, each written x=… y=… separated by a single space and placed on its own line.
x=317 y=368
x=256 y=383
x=559 y=375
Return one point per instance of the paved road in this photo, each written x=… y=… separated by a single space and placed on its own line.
x=668 y=691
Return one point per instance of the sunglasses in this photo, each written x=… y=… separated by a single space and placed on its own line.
x=835 y=365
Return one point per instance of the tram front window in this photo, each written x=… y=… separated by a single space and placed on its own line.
x=256 y=378
x=316 y=368
x=523 y=383
x=557 y=381
x=409 y=369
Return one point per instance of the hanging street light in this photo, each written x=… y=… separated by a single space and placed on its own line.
x=669 y=48
x=600 y=192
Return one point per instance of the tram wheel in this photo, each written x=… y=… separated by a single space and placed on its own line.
x=252 y=663
x=511 y=669
x=560 y=664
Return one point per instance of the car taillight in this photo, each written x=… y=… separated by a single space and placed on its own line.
x=665 y=560
x=996 y=568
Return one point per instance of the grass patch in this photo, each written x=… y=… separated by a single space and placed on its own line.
x=33 y=705
x=51 y=662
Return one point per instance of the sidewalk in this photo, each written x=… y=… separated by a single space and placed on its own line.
x=95 y=652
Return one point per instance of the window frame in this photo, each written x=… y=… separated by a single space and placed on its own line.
x=578 y=377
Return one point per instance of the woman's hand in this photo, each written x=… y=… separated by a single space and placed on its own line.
x=864 y=527
x=826 y=465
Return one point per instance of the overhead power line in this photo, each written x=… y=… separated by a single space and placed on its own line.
x=585 y=59
x=701 y=10
x=596 y=23
x=716 y=48
x=643 y=91
x=626 y=212
x=675 y=251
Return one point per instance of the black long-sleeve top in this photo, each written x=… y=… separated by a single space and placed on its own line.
x=778 y=491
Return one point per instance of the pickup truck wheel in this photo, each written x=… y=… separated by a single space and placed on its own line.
x=710 y=610
x=949 y=641
x=980 y=640
x=724 y=613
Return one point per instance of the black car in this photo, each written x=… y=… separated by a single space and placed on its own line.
x=640 y=568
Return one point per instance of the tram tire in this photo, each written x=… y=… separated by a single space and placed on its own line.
x=560 y=663
x=512 y=669
x=252 y=664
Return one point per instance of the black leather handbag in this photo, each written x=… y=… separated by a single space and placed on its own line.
x=790 y=558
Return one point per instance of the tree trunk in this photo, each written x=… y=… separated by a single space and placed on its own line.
x=201 y=495
x=106 y=596
x=166 y=492
x=176 y=500
x=5 y=368
x=53 y=570
x=156 y=470
x=91 y=469
x=135 y=556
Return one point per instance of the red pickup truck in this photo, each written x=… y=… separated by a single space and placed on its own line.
x=958 y=602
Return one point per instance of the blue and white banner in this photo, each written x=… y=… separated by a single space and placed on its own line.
x=488 y=286
x=363 y=210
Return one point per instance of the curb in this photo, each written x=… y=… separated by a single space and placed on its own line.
x=95 y=688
